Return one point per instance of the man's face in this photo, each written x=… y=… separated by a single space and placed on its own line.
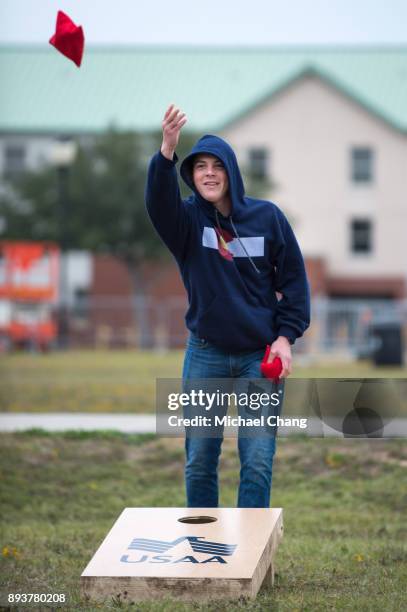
x=210 y=177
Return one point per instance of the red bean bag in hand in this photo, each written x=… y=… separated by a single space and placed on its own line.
x=271 y=370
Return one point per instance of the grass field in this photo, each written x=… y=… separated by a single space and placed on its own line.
x=116 y=381
x=344 y=511
x=345 y=532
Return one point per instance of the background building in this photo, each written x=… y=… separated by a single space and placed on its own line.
x=327 y=127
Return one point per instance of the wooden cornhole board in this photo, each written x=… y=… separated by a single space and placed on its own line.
x=149 y=554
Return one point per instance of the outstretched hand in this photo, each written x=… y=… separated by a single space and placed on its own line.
x=172 y=123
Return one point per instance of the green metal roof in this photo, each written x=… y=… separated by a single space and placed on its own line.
x=130 y=87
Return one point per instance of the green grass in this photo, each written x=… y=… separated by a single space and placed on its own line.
x=345 y=533
x=116 y=381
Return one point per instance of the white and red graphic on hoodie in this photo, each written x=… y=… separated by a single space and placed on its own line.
x=223 y=238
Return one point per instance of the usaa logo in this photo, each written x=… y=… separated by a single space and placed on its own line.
x=216 y=551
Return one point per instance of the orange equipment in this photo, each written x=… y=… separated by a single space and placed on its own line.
x=29 y=279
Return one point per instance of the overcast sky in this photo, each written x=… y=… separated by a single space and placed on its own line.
x=210 y=22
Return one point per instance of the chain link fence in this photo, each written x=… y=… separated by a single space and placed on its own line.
x=340 y=327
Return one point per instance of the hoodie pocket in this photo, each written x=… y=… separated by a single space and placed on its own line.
x=232 y=322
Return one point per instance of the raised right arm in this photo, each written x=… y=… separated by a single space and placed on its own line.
x=163 y=199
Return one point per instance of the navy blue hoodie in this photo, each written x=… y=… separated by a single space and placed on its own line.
x=231 y=288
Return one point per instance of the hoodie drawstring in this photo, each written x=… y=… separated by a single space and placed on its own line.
x=238 y=237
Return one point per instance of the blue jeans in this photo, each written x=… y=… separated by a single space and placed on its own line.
x=204 y=360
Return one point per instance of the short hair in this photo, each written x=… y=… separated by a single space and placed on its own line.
x=196 y=157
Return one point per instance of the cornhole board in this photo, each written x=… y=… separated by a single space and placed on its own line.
x=149 y=553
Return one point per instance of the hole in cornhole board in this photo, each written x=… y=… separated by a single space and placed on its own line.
x=197 y=520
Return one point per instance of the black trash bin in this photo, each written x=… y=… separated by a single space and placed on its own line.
x=389 y=348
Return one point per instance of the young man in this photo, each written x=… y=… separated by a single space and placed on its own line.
x=234 y=253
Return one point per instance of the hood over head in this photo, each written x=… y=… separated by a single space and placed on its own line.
x=214 y=145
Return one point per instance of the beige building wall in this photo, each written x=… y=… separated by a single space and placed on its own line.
x=310 y=129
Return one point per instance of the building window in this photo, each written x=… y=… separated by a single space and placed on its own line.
x=258 y=163
x=361 y=236
x=14 y=160
x=362 y=165
x=81 y=304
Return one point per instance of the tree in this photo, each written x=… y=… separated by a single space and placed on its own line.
x=105 y=202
